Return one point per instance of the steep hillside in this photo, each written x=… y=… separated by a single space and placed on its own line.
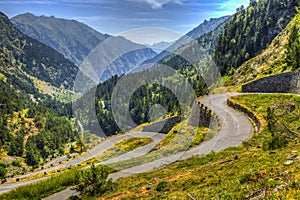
x=76 y=41
x=29 y=134
x=251 y=30
x=207 y=42
x=274 y=59
x=21 y=54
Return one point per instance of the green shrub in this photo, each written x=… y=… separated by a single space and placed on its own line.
x=94 y=181
x=245 y=178
x=162 y=186
x=3 y=170
x=16 y=163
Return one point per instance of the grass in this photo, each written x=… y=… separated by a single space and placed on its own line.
x=180 y=138
x=234 y=173
x=122 y=147
x=130 y=144
x=46 y=187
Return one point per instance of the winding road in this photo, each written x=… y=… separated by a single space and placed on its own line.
x=236 y=127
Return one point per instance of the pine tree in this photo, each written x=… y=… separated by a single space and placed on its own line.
x=293 y=48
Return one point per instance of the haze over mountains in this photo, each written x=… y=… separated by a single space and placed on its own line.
x=160 y=46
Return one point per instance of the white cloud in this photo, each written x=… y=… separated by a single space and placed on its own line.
x=155 y=4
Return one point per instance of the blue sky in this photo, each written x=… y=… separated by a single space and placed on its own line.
x=116 y=16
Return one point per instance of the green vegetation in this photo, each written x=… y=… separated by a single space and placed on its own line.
x=280 y=117
x=3 y=170
x=30 y=132
x=20 y=53
x=293 y=48
x=93 y=182
x=235 y=173
x=35 y=133
x=200 y=134
x=132 y=143
x=273 y=60
x=251 y=30
x=59 y=182
x=180 y=138
x=140 y=101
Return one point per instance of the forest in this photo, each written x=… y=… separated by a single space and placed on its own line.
x=251 y=30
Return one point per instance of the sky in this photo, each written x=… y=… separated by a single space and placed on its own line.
x=160 y=20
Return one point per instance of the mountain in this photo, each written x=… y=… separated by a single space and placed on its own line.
x=205 y=27
x=251 y=30
x=23 y=57
x=29 y=132
x=160 y=46
x=71 y=38
x=76 y=41
x=117 y=56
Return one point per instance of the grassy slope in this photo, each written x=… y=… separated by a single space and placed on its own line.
x=271 y=61
x=121 y=147
x=235 y=172
x=173 y=143
x=47 y=187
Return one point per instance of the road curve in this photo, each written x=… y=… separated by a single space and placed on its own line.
x=236 y=127
x=157 y=137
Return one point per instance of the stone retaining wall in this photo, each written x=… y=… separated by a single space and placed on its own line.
x=250 y=114
x=280 y=83
x=202 y=116
x=163 y=126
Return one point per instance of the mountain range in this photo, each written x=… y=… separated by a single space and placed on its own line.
x=76 y=41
